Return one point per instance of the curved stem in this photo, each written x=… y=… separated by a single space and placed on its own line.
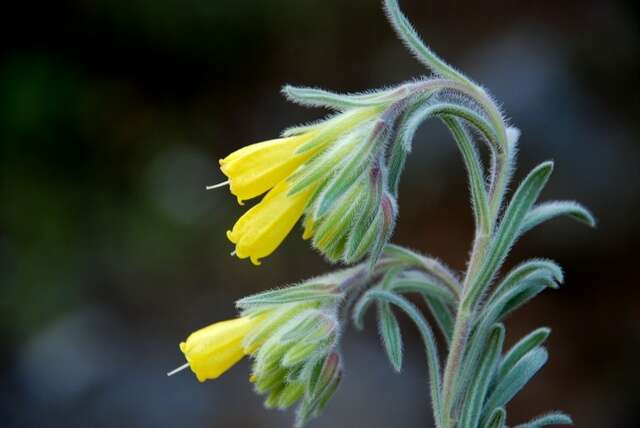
x=486 y=219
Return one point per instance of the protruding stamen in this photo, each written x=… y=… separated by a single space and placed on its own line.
x=179 y=369
x=215 y=186
x=233 y=253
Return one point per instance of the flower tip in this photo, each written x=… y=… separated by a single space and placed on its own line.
x=230 y=237
x=255 y=261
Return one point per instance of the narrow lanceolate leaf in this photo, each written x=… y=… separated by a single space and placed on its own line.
x=443 y=316
x=520 y=349
x=515 y=380
x=314 y=97
x=550 y=210
x=414 y=43
x=523 y=270
x=553 y=418
x=397 y=160
x=360 y=309
x=491 y=314
x=298 y=293
x=526 y=290
x=430 y=265
x=522 y=201
x=425 y=285
x=477 y=393
x=401 y=145
x=431 y=348
x=475 y=172
x=497 y=419
x=390 y=334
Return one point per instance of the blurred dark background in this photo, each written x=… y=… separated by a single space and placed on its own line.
x=114 y=113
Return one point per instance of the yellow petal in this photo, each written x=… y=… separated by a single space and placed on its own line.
x=263 y=228
x=254 y=169
x=213 y=350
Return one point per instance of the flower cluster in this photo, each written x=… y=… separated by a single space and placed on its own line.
x=290 y=333
x=341 y=174
x=331 y=172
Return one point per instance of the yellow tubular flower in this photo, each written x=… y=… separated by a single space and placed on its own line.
x=254 y=169
x=213 y=350
x=261 y=229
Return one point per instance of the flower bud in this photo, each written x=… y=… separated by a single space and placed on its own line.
x=322 y=386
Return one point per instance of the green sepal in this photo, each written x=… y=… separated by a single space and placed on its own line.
x=291 y=393
x=348 y=172
x=320 y=167
x=267 y=328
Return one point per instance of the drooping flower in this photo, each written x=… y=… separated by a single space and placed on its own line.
x=293 y=171
x=290 y=334
x=254 y=169
x=213 y=350
x=261 y=229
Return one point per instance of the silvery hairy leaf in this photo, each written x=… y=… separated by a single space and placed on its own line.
x=477 y=392
x=314 y=97
x=515 y=380
x=550 y=210
x=390 y=333
x=497 y=419
x=506 y=234
x=520 y=349
x=553 y=418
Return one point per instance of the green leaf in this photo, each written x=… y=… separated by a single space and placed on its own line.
x=497 y=419
x=415 y=282
x=414 y=43
x=553 y=418
x=360 y=309
x=550 y=210
x=520 y=349
x=476 y=395
x=523 y=270
x=515 y=379
x=529 y=288
x=431 y=348
x=475 y=172
x=314 y=97
x=390 y=333
x=298 y=293
x=507 y=233
x=494 y=312
x=443 y=316
x=430 y=265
